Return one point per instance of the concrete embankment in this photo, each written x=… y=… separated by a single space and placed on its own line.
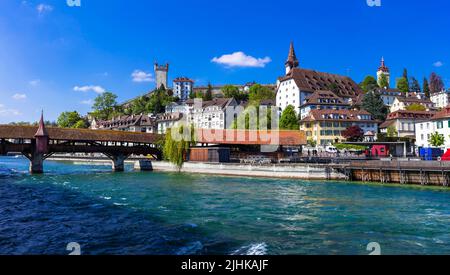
x=287 y=171
x=300 y=171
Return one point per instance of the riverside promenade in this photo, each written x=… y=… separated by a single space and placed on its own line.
x=414 y=172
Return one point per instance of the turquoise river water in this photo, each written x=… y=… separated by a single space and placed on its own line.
x=178 y=214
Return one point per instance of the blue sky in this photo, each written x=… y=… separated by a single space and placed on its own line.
x=57 y=58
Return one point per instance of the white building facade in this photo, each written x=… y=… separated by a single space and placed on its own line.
x=440 y=123
x=298 y=84
x=182 y=88
x=212 y=114
x=441 y=100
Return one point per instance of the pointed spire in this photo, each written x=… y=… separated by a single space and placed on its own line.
x=383 y=67
x=292 y=60
x=41 y=132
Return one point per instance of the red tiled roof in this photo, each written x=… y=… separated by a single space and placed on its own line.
x=403 y=114
x=245 y=137
x=309 y=80
x=414 y=100
x=344 y=115
x=28 y=132
x=386 y=124
x=444 y=113
x=183 y=79
x=317 y=95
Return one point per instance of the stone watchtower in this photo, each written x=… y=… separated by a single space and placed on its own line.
x=383 y=70
x=161 y=75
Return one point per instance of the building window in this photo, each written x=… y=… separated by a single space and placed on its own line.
x=440 y=124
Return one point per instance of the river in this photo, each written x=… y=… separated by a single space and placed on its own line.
x=142 y=213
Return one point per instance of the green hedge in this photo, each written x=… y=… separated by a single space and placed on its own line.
x=350 y=147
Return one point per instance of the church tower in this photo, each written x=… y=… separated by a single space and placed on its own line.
x=383 y=70
x=292 y=61
x=161 y=75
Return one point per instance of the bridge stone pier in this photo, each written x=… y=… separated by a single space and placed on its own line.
x=118 y=162
x=39 y=143
x=37 y=163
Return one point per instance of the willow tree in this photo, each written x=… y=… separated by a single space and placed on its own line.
x=177 y=143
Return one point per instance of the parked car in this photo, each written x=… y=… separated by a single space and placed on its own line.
x=331 y=149
x=257 y=160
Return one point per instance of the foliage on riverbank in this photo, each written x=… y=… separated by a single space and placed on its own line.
x=341 y=146
x=176 y=149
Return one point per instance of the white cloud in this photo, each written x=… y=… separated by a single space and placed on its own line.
x=43 y=8
x=438 y=64
x=34 y=82
x=240 y=59
x=8 y=112
x=87 y=102
x=89 y=88
x=19 y=96
x=141 y=76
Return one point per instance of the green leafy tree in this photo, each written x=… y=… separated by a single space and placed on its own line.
x=416 y=107
x=392 y=132
x=71 y=120
x=192 y=94
x=175 y=150
x=258 y=93
x=402 y=85
x=289 y=120
x=426 y=88
x=244 y=119
x=369 y=84
x=437 y=140
x=157 y=101
x=140 y=105
x=373 y=103
x=104 y=105
x=384 y=83
x=231 y=91
x=415 y=86
x=81 y=124
x=312 y=143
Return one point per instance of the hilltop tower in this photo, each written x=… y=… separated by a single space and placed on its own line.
x=383 y=70
x=161 y=75
x=292 y=61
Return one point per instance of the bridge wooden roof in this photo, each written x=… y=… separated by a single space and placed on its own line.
x=242 y=137
x=28 y=132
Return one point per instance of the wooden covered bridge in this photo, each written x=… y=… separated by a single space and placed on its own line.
x=38 y=143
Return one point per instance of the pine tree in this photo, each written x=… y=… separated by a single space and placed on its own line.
x=426 y=88
x=208 y=94
x=373 y=104
x=405 y=76
x=415 y=86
